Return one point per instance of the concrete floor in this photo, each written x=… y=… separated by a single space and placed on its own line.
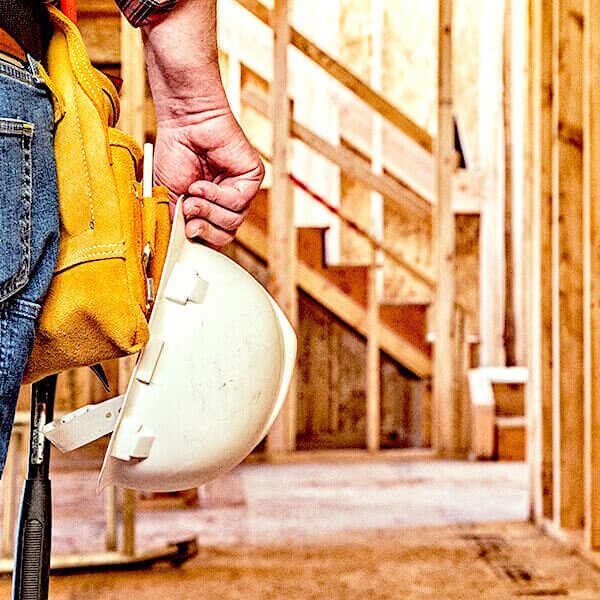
x=265 y=503
x=418 y=531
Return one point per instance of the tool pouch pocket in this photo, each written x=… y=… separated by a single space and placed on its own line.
x=112 y=246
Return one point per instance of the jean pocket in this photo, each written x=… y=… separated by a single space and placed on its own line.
x=16 y=137
x=17 y=328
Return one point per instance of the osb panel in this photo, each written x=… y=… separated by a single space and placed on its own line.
x=467 y=263
x=331 y=386
x=410 y=57
x=400 y=407
x=355 y=199
x=410 y=239
x=331 y=381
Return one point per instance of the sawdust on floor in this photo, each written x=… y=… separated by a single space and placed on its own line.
x=336 y=532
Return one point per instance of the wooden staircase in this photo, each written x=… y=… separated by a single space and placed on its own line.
x=342 y=290
x=331 y=331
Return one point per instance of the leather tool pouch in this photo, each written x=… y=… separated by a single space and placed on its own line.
x=113 y=240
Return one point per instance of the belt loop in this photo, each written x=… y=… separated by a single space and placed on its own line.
x=35 y=71
x=32 y=64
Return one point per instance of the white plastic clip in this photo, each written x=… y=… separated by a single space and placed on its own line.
x=149 y=360
x=185 y=285
x=134 y=440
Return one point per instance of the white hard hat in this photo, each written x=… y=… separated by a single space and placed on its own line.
x=206 y=388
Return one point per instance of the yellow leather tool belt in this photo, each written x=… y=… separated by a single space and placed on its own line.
x=113 y=240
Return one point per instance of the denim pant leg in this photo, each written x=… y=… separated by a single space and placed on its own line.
x=29 y=224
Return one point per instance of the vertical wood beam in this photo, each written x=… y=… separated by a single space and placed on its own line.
x=444 y=364
x=507 y=103
x=538 y=277
x=591 y=236
x=282 y=234
x=491 y=134
x=132 y=121
x=567 y=263
x=133 y=73
x=520 y=122
x=375 y=280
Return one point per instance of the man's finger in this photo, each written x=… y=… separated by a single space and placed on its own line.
x=236 y=197
x=222 y=218
x=208 y=233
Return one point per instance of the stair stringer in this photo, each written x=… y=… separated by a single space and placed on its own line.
x=341 y=305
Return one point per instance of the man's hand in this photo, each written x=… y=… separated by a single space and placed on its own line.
x=201 y=151
x=207 y=158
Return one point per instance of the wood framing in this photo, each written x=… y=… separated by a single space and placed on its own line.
x=591 y=237
x=375 y=276
x=492 y=258
x=376 y=101
x=133 y=73
x=567 y=264
x=282 y=232
x=445 y=422
x=538 y=278
x=344 y=307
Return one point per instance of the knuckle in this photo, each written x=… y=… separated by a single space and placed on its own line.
x=210 y=193
x=231 y=223
x=240 y=204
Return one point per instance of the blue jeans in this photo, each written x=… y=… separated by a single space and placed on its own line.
x=29 y=224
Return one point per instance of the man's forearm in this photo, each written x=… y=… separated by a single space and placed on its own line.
x=183 y=61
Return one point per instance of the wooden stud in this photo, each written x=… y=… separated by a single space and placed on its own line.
x=282 y=234
x=375 y=277
x=376 y=101
x=567 y=263
x=133 y=73
x=133 y=98
x=591 y=236
x=508 y=51
x=538 y=277
x=492 y=259
x=9 y=493
x=110 y=538
x=444 y=375
x=373 y=381
x=520 y=174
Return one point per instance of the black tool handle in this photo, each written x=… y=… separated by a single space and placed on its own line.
x=34 y=535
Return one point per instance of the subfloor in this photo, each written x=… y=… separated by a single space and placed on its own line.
x=414 y=531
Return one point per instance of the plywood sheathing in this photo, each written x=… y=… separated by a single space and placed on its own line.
x=331 y=388
x=410 y=71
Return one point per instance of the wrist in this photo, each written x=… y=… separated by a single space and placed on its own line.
x=182 y=60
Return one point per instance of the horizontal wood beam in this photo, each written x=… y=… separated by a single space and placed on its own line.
x=377 y=102
x=354 y=166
